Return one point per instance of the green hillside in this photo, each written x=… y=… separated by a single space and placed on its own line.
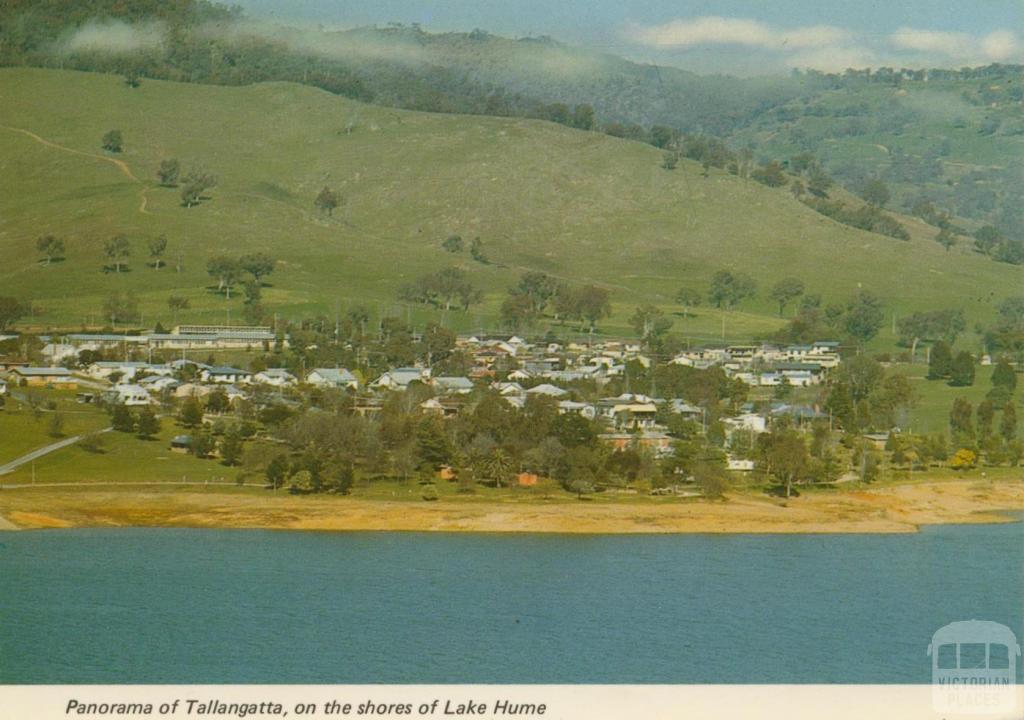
x=578 y=205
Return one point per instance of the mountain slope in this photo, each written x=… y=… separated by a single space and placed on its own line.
x=579 y=205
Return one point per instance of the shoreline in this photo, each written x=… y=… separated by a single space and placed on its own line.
x=884 y=510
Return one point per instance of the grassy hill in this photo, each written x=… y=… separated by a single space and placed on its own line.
x=579 y=205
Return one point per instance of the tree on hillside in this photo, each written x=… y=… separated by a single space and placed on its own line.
x=538 y=288
x=785 y=291
x=688 y=298
x=118 y=249
x=728 y=289
x=453 y=244
x=961 y=371
x=650 y=324
x=476 y=251
x=191 y=413
x=802 y=162
x=168 y=172
x=454 y=284
x=277 y=471
x=819 y=183
x=875 y=192
x=177 y=303
x=147 y=424
x=932 y=325
x=770 y=174
x=593 y=304
x=670 y=160
x=1004 y=376
x=195 y=184
x=157 y=248
x=112 y=141
x=10 y=311
x=517 y=312
x=498 y=467
x=986 y=414
x=231 y=446
x=863 y=318
x=785 y=453
x=50 y=246
x=987 y=238
x=946 y=238
x=121 y=419
x=583 y=117
x=226 y=270
x=121 y=307
x=259 y=265
x=940 y=360
x=1008 y=424
x=961 y=425
x=326 y=200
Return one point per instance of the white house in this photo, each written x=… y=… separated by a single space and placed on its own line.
x=158 y=383
x=59 y=352
x=131 y=395
x=747 y=421
x=799 y=378
x=277 y=377
x=332 y=377
x=547 y=389
x=401 y=378
x=565 y=407
x=824 y=347
x=738 y=465
x=453 y=385
x=104 y=369
x=508 y=388
x=225 y=375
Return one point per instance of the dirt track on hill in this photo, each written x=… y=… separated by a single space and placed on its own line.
x=119 y=164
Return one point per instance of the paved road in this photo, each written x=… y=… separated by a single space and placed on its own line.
x=40 y=452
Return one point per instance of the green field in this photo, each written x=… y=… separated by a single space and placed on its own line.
x=23 y=429
x=935 y=398
x=582 y=206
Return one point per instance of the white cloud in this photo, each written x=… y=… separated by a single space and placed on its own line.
x=115 y=36
x=997 y=46
x=714 y=30
x=1001 y=45
x=947 y=43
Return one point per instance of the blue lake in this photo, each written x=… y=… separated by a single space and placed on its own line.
x=239 y=606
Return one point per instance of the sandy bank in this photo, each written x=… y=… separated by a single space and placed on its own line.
x=895 y=509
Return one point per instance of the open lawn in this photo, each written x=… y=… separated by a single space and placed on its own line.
x=935 y=398
x=23 y=429
x=124 y=458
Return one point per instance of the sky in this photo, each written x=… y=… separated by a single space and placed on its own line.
x=743 y=37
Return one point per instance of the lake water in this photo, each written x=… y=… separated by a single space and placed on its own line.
x=239 y=606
